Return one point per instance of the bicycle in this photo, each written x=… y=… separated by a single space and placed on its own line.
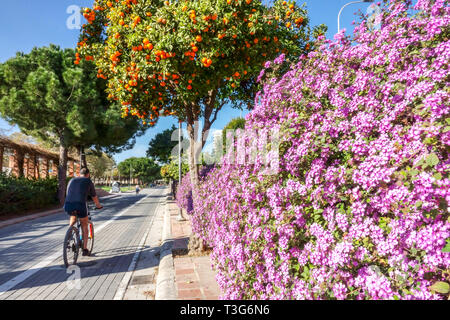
x=73 y=241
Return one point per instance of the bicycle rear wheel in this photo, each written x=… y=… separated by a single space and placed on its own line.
x=90 y=242
x=71 y=247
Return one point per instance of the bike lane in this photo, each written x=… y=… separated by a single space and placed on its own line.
x=31 y=264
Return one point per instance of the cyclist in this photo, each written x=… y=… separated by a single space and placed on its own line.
x=78 y=191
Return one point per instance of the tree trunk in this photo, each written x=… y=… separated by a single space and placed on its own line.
x=83 y=162
x=173 y=186
x=195 y=243
x=193 y=157
x=19 y=158
x=62 y=170
x=1 y=158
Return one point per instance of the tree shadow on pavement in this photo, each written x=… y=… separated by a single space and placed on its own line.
x=102 y=263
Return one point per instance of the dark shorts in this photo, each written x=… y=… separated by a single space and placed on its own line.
x=76 y=209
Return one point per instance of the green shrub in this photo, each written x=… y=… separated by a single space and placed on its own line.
x=20 y=194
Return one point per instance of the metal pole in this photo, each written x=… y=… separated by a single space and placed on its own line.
x=347 y=4
x=180 y=211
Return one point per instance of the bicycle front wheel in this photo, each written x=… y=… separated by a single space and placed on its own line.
x=90 y=242
x=71 y=247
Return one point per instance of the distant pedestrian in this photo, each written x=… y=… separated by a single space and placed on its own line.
x=137 y=189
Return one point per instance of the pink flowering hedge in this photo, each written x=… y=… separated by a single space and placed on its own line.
x=184 y=194
x=184 y=190
x=359 y=208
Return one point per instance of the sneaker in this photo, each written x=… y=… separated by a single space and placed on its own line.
x=86 y=252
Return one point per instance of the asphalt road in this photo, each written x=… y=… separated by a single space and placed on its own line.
x=31 y=264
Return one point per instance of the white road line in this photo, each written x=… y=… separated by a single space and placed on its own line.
x=120 y=293
x=37 y=267
x=120 y=214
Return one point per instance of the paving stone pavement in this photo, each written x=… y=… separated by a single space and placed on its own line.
x=32 y=251
x=194 y=276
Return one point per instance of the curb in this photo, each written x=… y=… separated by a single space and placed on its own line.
x=165 y=282
x=13 y=221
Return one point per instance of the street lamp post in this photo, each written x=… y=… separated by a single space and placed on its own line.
x=347 y=4
x=180 y=213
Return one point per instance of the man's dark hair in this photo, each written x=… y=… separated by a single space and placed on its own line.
x=84 y=171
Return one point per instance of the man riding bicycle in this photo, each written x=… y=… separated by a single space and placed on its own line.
x=78 y=191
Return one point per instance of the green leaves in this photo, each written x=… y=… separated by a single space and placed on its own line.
x=432 y=159
x=383 y=224
x=235 y=38
x=46 y=93
x=170 y=171
x=160 y=147
x=437 y=176
x=305 y=273
x=447 y=246
x=19 y=194
x=145 y=169
x=440 y=287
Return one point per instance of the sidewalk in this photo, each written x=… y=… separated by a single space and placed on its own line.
x=194 y=276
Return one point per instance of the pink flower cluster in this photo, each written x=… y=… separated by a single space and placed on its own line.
x=184 y=190
x=184 y=194
x=359 y=208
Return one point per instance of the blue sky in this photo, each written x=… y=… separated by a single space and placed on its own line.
x=25 y=24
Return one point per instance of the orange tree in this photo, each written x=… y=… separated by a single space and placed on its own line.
x=189 y=58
